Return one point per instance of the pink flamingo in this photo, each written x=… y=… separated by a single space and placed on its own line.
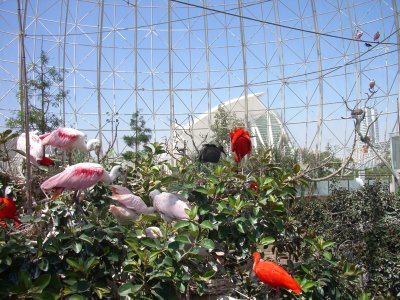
x=79 y=177
x=69 y=139
x=36 y=153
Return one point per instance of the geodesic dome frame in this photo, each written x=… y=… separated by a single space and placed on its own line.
x=174 y=60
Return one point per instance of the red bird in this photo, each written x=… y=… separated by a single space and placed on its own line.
x=8 y=210
x=274 y=275
x=240 y=143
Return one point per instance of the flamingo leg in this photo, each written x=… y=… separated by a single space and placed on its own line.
x=69 y=157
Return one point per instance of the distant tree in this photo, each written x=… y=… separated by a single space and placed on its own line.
x=141 y=134
x=41 y=118
x=224 y=122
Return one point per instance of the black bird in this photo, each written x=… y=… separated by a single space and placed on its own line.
x=211 y=153
x=368 y=45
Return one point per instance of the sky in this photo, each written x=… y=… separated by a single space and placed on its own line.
x=204 y=64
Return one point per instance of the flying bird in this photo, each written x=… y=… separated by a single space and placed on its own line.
x=211 y=153
x=358 y=35
x=125 y=197
x=79 y=177
x=376 y=36
x=240 y=143
x=122 y=214
x=170 y=206
x=8 y=210
x=36 y=149
x=274 y=275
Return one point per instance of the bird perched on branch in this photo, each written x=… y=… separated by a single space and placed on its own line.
x=358 y=35
x=125 y=197
x=170 y=206
x=376 y=36
x=211 y=153
x=8 y=210
x=240 y=143
x=274 y=275
x=69 y=139
x=36 y=149
x=79 y=177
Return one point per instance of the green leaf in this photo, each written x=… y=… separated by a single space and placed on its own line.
x=327 y=244
x=266 y=240
x=207 y=275
x=181 y=224
x=207 y=225
x=41 y=283
x=25 y=279
x=365 y=296
x=76 y=297
x=149 y=242
x=90 y=263
x=129 y=288
x=43 y=264
x=77 y=247
x=327 y=255
x=308 y=285
x=74 y=264
x=183 y=239
x=86 y=238
x=201 y=190
x=296 y=168
x=207 y=243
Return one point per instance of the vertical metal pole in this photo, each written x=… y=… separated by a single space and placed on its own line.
x=279 y=40
x=99 y=53
x=245 y=85
x=171 y=81
x=396 y=22
x=135 y=45
x=207 y=50
x=63 y=66
x=320 y=80
x=23 y=85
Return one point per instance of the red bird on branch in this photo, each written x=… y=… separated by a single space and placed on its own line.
x=240 y=143
x=8 y=210
x=274 y=275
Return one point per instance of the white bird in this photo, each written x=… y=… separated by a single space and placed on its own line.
x=129 y=200
x=358 y=35
x=359 y=181
x=36 y=149
x=170 y=206
x=153 y=232
x=122 y=214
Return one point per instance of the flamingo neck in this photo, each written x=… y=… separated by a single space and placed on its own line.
x=256 y=257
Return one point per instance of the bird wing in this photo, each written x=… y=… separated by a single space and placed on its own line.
x=62 y=138
x=120 y=190
x=171 y=205
x=76 y=177
x=234 y=136
x=133 y=202
x=122 y=213
x=276 y=276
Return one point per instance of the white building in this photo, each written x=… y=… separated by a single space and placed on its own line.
x=265 y=125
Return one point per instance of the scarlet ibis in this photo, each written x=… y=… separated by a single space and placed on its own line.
x=358 y=35
x=170 y=206
x=376 y=36
x=122 y=214
x=79 y=177
x=240 y=143
x=211 y=153
x=274 y=275
x=8 y=210
x=129 y=200
x=36 y=149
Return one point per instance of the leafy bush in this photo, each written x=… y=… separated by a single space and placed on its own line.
x=64 y=254
x=364 y=223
